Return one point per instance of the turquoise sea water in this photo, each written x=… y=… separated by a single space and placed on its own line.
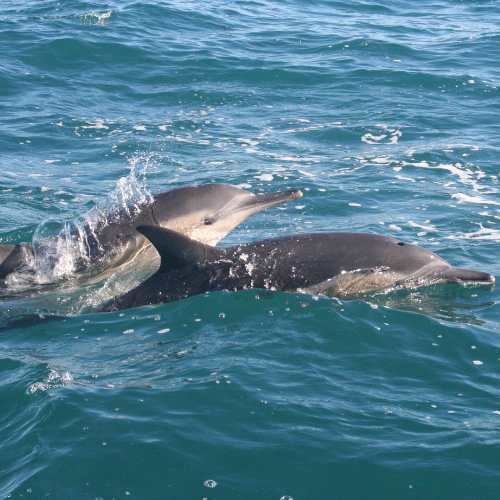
x=386 y=114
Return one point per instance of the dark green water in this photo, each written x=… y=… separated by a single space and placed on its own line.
x=385 y=114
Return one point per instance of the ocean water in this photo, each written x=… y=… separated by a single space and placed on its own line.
x=386 y=114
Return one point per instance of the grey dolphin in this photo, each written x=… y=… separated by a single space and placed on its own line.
x=340 y=264
x=205 y=213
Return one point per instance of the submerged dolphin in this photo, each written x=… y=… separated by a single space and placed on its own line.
x=205 y=213
x=340 y=264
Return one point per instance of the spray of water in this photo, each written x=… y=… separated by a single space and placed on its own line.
x=62 y=248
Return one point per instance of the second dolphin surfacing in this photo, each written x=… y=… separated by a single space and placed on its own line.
x=340 y=264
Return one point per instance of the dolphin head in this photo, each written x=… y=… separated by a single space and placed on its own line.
x=207 y=213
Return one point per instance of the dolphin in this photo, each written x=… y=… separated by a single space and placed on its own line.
x=338 y=264
x=204 y=213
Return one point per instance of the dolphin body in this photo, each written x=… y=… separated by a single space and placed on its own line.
x=339 y=264
x=205 y=213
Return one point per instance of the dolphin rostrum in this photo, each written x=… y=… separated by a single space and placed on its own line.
x=339 y=264
x=205 y=213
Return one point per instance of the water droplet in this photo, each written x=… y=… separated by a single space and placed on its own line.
x=210 y=483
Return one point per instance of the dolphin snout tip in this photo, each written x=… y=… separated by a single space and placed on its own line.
x=487 y=279
x=275 y=198
x=474 y=277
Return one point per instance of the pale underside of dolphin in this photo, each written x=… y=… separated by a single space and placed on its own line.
x=339 y=264
x=205 y=213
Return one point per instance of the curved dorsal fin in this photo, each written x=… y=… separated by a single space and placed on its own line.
x=177 y=250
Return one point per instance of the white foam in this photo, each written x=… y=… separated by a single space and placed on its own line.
x=395 y=136
x=373 y=139
x=99 y=123
x=298 y=159
x=404 y=178
x=483 y=233
x=383 y=160
x=265 y=177
x=307 y=174
x=387 y=135
x=248 y=142
x=466 y=175
x=429 y=227
x=465 y=198
x=488 y=214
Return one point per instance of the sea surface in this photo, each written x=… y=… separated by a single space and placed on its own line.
x=387 y=115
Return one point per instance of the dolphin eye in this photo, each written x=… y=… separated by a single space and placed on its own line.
x=401 y=244
x=208 y=221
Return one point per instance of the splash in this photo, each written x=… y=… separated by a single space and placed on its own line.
x=62 y=248
x=100 y=18
x=54 y=379
x=57 y=247
x=131 y=192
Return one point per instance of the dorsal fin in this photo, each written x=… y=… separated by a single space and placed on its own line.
x=177 y=250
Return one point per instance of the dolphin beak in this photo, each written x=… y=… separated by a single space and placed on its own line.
x=261 y=201
x=458 y=275
x=239 y=209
